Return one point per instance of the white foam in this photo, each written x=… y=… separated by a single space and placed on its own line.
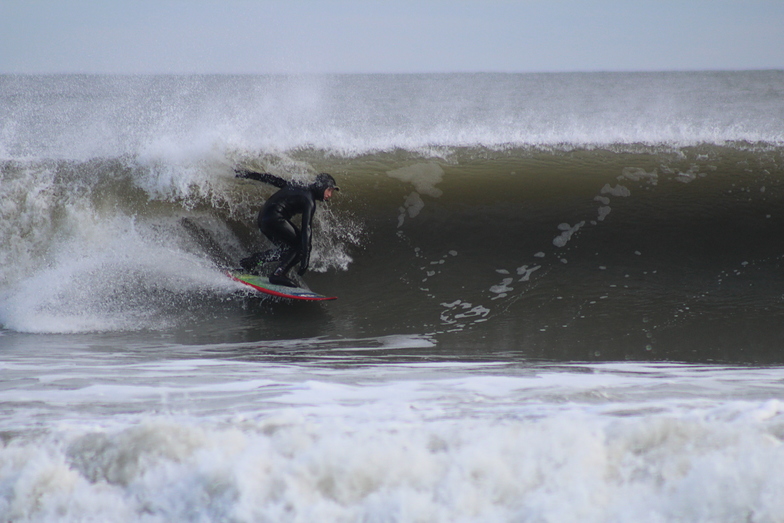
x=502 y=288
x=637 y=174
x=421 y=441
x=567 y=231
x=525 y=272
x=104 y=276
x=619 y=190
x=423 y=176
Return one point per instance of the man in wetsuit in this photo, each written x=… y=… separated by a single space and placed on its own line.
x=292 y=244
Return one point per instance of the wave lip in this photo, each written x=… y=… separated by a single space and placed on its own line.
x=78 y=117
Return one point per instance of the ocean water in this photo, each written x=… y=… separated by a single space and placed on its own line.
x=560 y=298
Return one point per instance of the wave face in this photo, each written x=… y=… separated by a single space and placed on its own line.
x=561 y=216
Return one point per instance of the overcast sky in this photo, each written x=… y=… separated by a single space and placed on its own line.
x=388 y=36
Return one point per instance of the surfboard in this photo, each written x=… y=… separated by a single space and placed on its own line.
x=263 y=285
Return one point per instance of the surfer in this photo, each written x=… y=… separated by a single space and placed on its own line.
x=292 y=245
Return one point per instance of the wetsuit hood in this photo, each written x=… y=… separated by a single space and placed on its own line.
x=323 y=182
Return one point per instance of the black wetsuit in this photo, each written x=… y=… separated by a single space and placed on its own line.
x=292 y=244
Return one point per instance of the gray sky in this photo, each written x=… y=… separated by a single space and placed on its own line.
x=392 y=36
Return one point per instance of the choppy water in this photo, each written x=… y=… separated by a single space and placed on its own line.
x=559 y=298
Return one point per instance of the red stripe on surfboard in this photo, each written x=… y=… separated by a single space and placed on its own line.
x=280 y=294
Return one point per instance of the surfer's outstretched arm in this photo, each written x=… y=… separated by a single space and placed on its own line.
x=261 y=177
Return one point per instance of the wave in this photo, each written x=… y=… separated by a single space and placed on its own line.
x=468 y=443
x=119 y=211
x=644 y=252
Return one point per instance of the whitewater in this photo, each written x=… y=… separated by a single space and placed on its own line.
x=559 y=298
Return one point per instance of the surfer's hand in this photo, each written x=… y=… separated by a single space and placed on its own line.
x=303 y=267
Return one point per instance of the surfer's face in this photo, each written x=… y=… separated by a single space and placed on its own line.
x=328 y=193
